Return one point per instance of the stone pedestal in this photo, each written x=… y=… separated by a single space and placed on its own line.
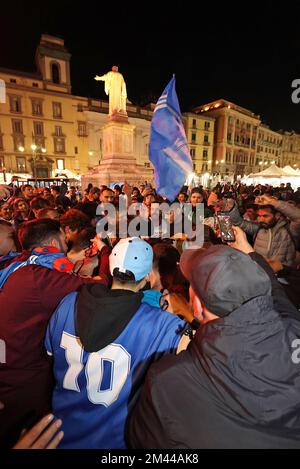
x=118 y=162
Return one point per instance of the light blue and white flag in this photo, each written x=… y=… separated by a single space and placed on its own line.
x=168 y=149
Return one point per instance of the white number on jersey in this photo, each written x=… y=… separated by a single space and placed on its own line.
x=118 y=357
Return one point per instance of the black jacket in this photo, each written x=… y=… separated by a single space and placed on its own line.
x=235 y=387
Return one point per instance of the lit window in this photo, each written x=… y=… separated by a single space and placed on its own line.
x=60 y=164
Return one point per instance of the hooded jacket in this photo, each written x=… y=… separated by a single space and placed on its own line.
x=103 y=342
x=279 y=242
x=237 y=385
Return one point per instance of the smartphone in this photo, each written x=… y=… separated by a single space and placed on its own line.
x=227 y=234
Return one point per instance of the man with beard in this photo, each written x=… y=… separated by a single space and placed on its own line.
x=276 y=231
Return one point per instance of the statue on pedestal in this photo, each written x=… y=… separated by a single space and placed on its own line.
x=115 y=87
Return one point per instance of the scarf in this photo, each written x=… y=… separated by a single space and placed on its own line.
x=46 y=256
x=10 y=255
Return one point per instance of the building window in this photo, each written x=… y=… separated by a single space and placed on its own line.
x=206 y=125
x=193 y=152
x=1 y=162
x=82 y=129
x=229 y=137
x=205 y=154
x=21 y=164
x=76 y=150
x=57 y=113
x=38 y=128
x=13 y=80
x=37 y=107
x=58 y=131
x=193 y=137
x=15 y=104
x=204 y=167
x=194 y=123
x=147 y=165
x=1 y=141
x=18 y=141
x=205 y=139
x=35 y=85
x=59 y=145
x=79 y=108
x=60 y=164
x=17 y=126
x=55 y=73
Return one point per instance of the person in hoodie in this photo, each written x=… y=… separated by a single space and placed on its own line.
x=103 y=342
x=276 y=231
x=237 y=385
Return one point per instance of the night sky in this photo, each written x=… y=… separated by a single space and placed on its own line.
x=246 y=52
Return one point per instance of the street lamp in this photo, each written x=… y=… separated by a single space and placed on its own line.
x=34 y=149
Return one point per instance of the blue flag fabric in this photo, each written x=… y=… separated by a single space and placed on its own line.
x=169 y=151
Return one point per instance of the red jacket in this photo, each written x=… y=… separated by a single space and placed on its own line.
x=27 y=301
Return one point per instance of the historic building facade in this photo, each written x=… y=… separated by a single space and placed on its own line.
x=42 y=125
x=45 y=130
x=243 y=144
x=200 y=136
x=235 y=137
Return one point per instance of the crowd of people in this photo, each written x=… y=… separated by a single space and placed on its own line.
x=112 y=341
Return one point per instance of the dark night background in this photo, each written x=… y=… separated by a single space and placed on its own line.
x=246 y=52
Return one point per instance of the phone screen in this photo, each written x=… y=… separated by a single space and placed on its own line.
x=227 y=234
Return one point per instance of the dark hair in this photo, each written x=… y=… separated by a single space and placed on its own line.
x=117 y=189
x=197 y=190
x=252 y=206
x=39 y=202
x=56 y=189
x=125 y=277
x=73 y=187
x=36 y=233
x=16 y=202
x=95 y=190
x=184 y=193
x=83 y=239
x=24 y=186
x=43 y=212
x=107 y=189
x=75 y=220
x=87 y=208
x=165 y=258
x=268 y=207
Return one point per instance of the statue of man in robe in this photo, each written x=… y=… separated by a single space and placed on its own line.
x=115 y=87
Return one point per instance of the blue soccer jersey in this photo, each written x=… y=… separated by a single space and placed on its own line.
x=94 y=391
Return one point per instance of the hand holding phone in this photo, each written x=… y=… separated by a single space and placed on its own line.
x=227 y=233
